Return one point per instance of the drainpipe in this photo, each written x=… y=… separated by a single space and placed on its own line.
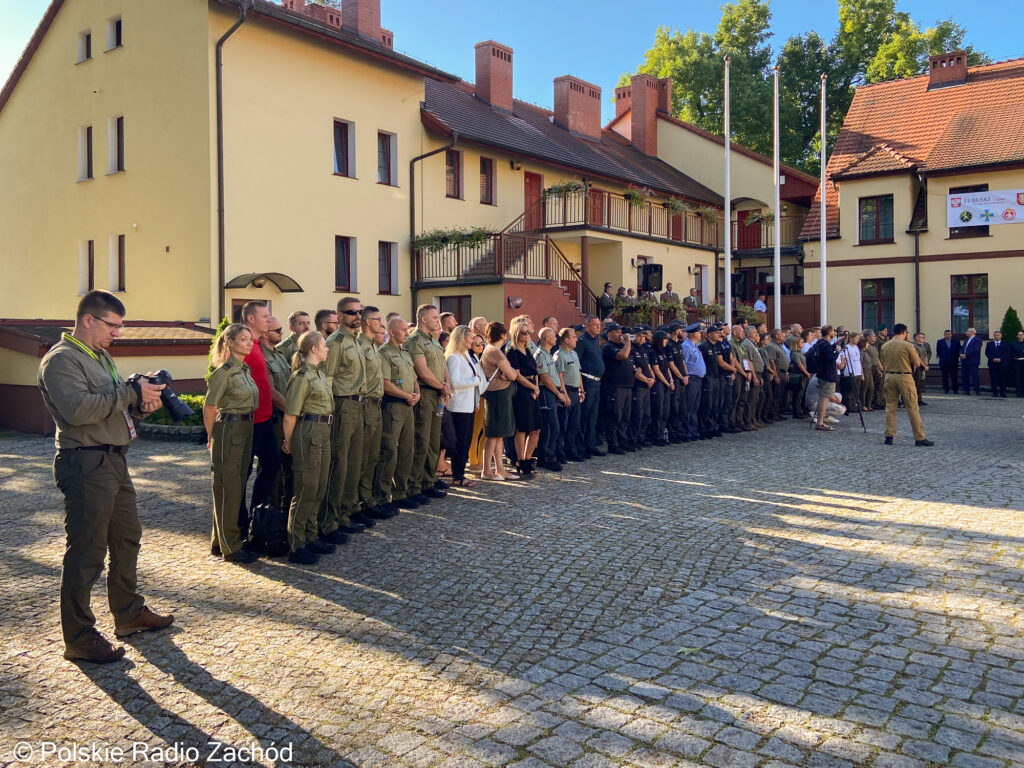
x=412 y=217
x=917 y=281
x=221 y=277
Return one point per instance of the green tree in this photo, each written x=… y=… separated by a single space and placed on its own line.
x=906 y=52
x=1011 y=325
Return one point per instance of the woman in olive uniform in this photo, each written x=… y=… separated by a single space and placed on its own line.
x=231 y=397
x=307 y=437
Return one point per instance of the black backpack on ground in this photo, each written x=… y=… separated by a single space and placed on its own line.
x=268 y=531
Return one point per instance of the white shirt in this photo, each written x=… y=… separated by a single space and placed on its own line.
x=468 y=382
x=853 y=363
x=760 y=306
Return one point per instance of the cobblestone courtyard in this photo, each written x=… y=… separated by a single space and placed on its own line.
x=781 y=598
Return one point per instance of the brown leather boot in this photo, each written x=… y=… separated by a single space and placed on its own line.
x=145 y=621
x=95 y=648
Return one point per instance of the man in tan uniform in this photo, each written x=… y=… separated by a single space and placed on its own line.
x=401 y=394
x=900 y=360
x=372 y=329
x=432 y=373
x=93 y=408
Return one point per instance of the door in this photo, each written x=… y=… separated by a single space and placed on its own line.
x=532 y=201
x=595 y=213
x=748 y=237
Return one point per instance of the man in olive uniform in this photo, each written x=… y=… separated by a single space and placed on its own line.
x=432 y=374
x=924 y=353
x=345 y=371
x=371 y=327
x=900 y=360
x=755 y=403
x=298 y=324
x=280 y=371
x=742 y=387
x=398 y=439
x=93 y=409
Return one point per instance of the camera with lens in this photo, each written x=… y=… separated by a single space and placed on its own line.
x=175 y=408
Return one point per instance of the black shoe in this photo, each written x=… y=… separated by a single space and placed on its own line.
x=617 y=451
x=304 y=556
x=420 y=498
x=387 y=511
x=551 y=466
x=335 y=537
x=923 y=442
x=922 y=402
x=597 y=452
x=407 y=503
x=243 y=556
x=433 y=493
x=375 y=513
x=215 y=550
x=363 y=519
x=441 y=485
x=321 y=547
x=888 y=439
x=352 y=527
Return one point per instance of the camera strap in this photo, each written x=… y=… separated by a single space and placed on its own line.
x=109 y=364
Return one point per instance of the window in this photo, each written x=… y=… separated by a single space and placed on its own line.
x=969 y=295
x=344 y=272
x=452 y=173
x=387 y=268
x=86 y=266
x=460 y=306
x=85 y=153
x=344 y=164
x=114 y=39
x=955 y=233
x=876 y=220
x=486 y=181
x=877 y=303
x=386 y=159
x=116 y=263
x=115 y=145
x=84 y=46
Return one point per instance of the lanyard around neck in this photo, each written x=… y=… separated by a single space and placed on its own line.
x=91 y=353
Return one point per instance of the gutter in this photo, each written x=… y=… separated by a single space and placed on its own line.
x=412 y=215
x=221 y=276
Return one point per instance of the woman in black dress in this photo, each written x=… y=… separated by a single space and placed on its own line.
x=525 y=406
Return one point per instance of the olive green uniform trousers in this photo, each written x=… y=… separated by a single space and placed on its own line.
x=311 y=465
x=428 y=442
x=371 y=451
x=397 y=447
x=230 y=453
x=342 y=499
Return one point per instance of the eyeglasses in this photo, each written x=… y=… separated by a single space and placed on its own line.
x=351 y=312
x=116 y=326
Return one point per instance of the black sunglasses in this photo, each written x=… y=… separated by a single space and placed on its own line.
x=351 y=312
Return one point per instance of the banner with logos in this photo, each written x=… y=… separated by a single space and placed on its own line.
x=980 y=209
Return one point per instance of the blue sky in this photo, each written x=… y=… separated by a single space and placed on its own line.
x=594 y=40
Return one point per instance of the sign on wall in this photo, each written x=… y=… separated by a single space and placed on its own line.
x=980 y=209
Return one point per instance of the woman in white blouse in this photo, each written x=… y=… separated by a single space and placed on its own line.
x=468 y=383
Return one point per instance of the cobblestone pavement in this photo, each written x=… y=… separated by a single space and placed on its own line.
x=781 y=598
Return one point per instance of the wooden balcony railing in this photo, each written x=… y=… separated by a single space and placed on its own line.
x=596 y=208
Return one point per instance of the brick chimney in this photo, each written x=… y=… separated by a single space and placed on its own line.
x=646 y=94
x=665 y=94
x=363 y=18
x=578 y=106
x=623 y=99
x=494 y=74
x=947 y=69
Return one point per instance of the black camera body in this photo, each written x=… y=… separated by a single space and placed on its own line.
x=177 y=409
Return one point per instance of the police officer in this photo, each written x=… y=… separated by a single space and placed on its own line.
x=678 y=414
x=308 y=414
x=588 y=349
x=401 y=394
x=567 y=363
x=710 y=395
x=643 y=383
x=280 y=369
x=619 y=375
x=696 y=369
x=552 y=397
x=347 y=376
x=93 y=409
x=900 y=360
x=371 y=336
x=726 y=379
x=664 y=386
x=231 y=398
x=432 y=373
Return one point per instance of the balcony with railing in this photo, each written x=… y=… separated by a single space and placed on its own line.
x=612 y=212
x=757 y=238
x=504 y=257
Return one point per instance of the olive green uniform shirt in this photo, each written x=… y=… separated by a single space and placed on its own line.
x=232 y=389
x=899 y=356
x=345 y=369
x=280 y=370
x=753 y=354
x=420 y=344
x=779 y=356
x=396 y=367
x=309 y=392
x=84 y=398
x=869 y=358
x=371 y=365
x=288 y=348
x=567 y=363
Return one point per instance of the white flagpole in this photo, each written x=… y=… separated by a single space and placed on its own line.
x=822 y=208
x=777 y=260
x=727 y=208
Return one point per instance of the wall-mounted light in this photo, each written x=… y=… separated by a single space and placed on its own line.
x=515 y=302
x=689 y=270
x=259 y=282
x=515 y=165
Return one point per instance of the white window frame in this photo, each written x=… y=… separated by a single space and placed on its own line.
x=83 y=266
x=392 y=156
x=114 y=264
x=85 y=150
x=84 y=46
x=351 y=149
x=112 y=164
x=112 y=41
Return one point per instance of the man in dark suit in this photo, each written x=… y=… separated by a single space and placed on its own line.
x=948 y=350
x=606 y=302
x=970 y=359
x=998 y=353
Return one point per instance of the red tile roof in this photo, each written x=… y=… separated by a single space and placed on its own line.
x=899 y=126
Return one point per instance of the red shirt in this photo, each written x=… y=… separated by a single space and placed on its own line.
x=261 y=376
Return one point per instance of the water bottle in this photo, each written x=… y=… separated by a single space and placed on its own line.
x=440 y=409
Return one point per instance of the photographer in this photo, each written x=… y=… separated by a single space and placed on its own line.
x=828 y=369
x=93 y=409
